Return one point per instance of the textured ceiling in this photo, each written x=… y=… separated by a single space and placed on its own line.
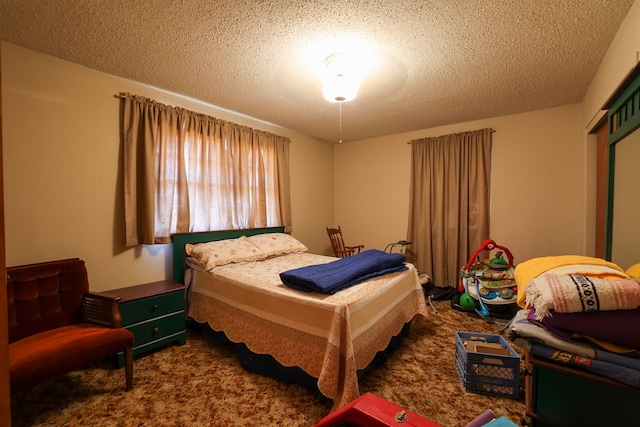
x=438 y=61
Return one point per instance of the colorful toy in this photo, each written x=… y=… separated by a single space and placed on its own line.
x=489 y=283
x=467 y=302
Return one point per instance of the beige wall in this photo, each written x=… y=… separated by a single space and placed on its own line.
x=63 y=180
x=535 y=183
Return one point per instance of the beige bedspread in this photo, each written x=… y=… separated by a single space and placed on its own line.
x=328 y=336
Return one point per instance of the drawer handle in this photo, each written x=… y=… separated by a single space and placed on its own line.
x=156 y=330
x=155 y=307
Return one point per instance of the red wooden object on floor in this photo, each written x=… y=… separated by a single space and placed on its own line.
x=370 y=410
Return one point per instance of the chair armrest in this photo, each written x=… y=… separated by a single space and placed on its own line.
x=350 y=250
x=342 y=254
x=354 y=249
x=102 y=310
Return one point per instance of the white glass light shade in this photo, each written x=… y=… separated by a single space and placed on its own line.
x=340 y=88
x=341 y=79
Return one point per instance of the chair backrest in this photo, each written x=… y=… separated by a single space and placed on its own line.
x=337 y=243
x=45 y=296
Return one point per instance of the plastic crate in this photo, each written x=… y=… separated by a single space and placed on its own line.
x=486 y=373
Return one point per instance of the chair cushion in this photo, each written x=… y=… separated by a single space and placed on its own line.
x=45 y=355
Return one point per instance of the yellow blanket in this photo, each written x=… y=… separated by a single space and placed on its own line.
x=575 y=264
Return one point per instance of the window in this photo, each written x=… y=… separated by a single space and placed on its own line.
x=188 y=172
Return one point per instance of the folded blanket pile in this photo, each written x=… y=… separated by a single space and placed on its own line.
x=574 y=293
x=335 y=275
x=523 y=333
x=614 y=370
x=614 y=330
x=564 y=264
x=581 y=311
x=535 y=339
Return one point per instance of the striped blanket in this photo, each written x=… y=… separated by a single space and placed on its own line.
x=563 y=264
x=573 y=293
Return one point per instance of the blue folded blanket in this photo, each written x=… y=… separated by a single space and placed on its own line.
x=330 y=277
x=624 y=373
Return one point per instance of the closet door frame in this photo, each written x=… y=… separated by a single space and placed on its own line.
x=5 y=395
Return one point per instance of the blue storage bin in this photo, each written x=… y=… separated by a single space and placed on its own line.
x=483 y=371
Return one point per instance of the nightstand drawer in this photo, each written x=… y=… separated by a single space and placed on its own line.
x=154 y=312
x=157 y=328
x=133 y=312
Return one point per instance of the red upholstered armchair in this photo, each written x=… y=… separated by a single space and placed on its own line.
x=56 y=325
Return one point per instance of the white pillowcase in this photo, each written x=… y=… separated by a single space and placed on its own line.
x=222 y=252
x=272 y=244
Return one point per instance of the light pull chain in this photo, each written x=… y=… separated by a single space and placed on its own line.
x=340 y=140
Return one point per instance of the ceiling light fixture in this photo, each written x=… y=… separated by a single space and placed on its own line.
x=341 y=80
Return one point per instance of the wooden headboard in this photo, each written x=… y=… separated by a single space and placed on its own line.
x=181 y=239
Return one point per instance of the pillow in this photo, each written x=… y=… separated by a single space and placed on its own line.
x=222 y=252
x=272 y=244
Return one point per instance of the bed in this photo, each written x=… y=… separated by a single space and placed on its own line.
x=330 y=337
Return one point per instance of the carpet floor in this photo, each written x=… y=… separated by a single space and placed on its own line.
x=203 y=384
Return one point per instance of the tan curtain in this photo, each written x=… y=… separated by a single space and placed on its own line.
x=449 y=202
x=188 y=172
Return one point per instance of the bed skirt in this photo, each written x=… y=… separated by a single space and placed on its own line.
x=266 y=365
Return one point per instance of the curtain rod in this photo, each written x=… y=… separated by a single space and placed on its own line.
x=458 y=133
x=125 y=95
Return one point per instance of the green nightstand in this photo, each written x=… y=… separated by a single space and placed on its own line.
x=154 y=312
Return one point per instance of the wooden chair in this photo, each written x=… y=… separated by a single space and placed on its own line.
x=337 y=243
